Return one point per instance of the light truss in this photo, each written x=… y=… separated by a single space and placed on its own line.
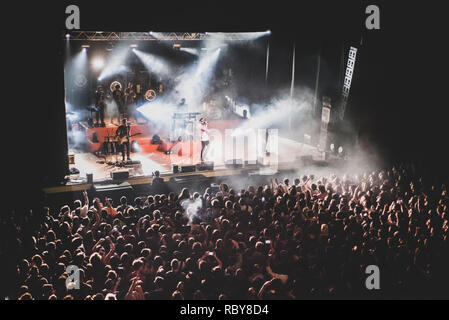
x=136 y=36
x=161 y=36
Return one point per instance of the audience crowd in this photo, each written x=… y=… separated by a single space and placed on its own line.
x=296 y=239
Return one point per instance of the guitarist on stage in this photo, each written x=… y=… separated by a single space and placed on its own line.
x=123 y=134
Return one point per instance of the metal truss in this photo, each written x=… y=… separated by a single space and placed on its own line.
x=161 y=36
x=147 y=36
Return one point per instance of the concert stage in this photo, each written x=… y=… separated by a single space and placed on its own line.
x=284 y=154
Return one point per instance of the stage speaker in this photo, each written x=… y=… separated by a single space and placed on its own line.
x=120 y=175
x=90 y=177
x=208 y=165
x=234 y=164
x=185 y=169
x=175 y=168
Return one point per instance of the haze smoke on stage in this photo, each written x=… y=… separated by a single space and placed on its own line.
x=192 y=208
x=111 y=109
x=154 y=63
x=194 y=81
x=78 y=63
x=277 y=112
x=115 y=63
x=159 y=112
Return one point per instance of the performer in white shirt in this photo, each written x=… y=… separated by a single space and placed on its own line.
x=204 y=138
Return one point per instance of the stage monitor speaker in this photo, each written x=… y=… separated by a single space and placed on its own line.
x=120 y=175
x=208 y=165
x=234 y=164
x=190 y=168
x=175 y=168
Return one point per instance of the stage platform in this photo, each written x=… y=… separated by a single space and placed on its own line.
x=289 y=155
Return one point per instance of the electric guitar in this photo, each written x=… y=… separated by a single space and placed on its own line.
x=126 y=138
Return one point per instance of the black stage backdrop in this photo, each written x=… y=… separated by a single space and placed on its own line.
x=397 y=98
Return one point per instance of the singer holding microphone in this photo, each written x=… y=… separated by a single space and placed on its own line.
x=204 y=138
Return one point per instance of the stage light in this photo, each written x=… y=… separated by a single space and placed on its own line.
x=133 y=45
x=98 y=63
x=340 y=150
x=193 y=51
x=85 y=46
x=332 y=147
x=67 y=36
x=268 y=32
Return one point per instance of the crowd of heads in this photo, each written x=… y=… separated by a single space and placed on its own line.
x=310 y=237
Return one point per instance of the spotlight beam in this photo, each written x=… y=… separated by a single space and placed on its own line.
x=154 y=63
x=114 y=64
x=194 y=81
